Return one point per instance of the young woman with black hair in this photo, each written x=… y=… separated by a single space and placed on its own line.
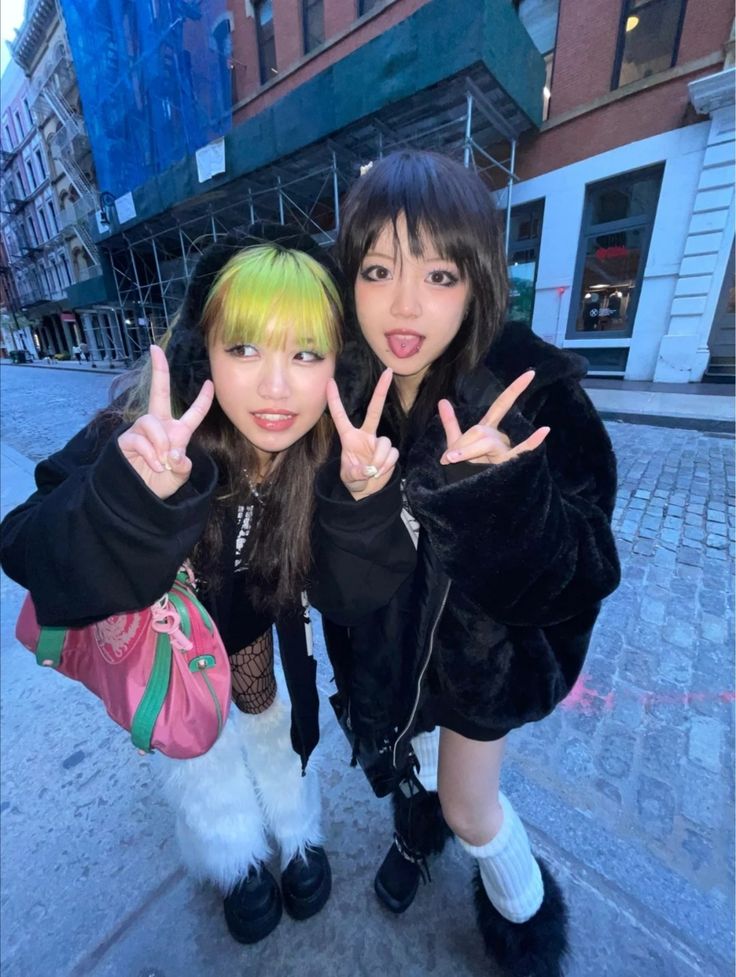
x=211 y=457
x=459 y=587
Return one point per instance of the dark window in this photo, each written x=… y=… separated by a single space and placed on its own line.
x=364 y=6
x=41 y=167
x=8 y=138
x=31 y=174
x=266 y=41
x=19 y=125
x=65 y=266
x=44 y=225
x=617 y=224
x=314 y=24
x=28 y=112
x=52 y=215
x=649 y=36
x=224 y=44
x=32 y=236
x=524 y=236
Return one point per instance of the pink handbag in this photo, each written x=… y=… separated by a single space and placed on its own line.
x=162 y=673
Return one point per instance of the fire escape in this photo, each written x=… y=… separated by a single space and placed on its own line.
x=69 y=146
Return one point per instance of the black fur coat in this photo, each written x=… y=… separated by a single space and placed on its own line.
x=486 y=625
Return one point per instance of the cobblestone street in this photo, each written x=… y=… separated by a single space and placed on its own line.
x=627 y=788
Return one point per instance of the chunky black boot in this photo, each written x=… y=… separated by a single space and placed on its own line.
x=253 y=908
x=420 y=831
x=536 y=948
x=306 y=883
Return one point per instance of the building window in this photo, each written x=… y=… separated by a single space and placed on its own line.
x=41 y=167
x=8 y=138
x=549 y=63
x=32 y=236
x=52 y=215
x=617 y=225
x=649 y=38
x=28 y=113
x=44 y=225
x=524 y=237
x=31 y=174
x=314 y=24
x=19 y=125
x=222 y=36
x=364 y=6
x=266 y=40
x=65 y=266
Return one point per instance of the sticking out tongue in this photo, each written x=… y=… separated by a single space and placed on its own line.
x=404 y=344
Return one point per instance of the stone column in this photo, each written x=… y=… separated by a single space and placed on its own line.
x=683 y=352
x=89 y=336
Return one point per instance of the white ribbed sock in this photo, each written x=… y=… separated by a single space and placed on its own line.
x=426 y=746
x=509 y=871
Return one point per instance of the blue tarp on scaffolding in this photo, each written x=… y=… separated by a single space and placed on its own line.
x=155 y=82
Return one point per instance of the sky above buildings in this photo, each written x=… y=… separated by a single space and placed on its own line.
x=12 y=18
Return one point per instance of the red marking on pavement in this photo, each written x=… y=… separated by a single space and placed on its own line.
x=589 y=701
x=583 y=698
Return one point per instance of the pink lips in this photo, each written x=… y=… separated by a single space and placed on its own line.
x=274 y=420
x=404 y=342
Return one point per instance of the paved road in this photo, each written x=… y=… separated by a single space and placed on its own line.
x=627 y=789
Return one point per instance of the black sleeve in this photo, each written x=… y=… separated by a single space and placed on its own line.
x=93 y=540
x=530 y=540
x=362 y=550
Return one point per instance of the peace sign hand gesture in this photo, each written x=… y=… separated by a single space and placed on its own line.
x=155 y=446
x=367 y=462
x=483 y=443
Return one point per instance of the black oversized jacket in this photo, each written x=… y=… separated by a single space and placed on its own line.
x=93 y=541
x=489 y=620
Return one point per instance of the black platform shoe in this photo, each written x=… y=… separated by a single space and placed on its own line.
x=306 y=883
x=536 y=948
x=421 y=831
x=253 y=908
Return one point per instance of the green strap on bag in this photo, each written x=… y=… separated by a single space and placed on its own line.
x=141 y=729
x=50 y=644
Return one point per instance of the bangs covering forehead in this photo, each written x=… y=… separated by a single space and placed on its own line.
x=268 y=295
x=440 y=205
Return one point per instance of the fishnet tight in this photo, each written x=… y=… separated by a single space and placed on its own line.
x=253 y=679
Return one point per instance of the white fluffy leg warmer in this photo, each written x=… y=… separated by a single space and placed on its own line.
x=219 y=822
x=290 y=802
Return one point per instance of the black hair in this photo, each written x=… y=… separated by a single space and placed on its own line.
x=450 y=205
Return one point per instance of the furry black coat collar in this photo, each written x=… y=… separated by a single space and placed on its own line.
x=493 y=614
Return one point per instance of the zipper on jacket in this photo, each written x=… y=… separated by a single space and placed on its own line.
x=423 y=670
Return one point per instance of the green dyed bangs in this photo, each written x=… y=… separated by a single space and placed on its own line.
x=266 y=294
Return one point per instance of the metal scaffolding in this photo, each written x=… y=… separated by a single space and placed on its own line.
x=153 y=262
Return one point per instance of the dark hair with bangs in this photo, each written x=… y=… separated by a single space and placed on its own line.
x=450 y=205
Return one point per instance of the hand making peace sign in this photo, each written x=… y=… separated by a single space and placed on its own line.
x=483 y=443
x=367 y=461
x=155 y=446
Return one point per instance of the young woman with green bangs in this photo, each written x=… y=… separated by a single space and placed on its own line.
x=211 y=457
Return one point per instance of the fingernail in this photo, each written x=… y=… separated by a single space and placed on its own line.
x=370 y=471
x=167 y=466
x=175 y=454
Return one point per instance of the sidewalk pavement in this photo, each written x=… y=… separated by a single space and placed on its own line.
x=700 y=406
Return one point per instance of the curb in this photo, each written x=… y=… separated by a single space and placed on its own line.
x=709 y=425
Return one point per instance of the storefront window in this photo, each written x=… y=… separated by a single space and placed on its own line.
x=617 y=224
x=524 y=237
